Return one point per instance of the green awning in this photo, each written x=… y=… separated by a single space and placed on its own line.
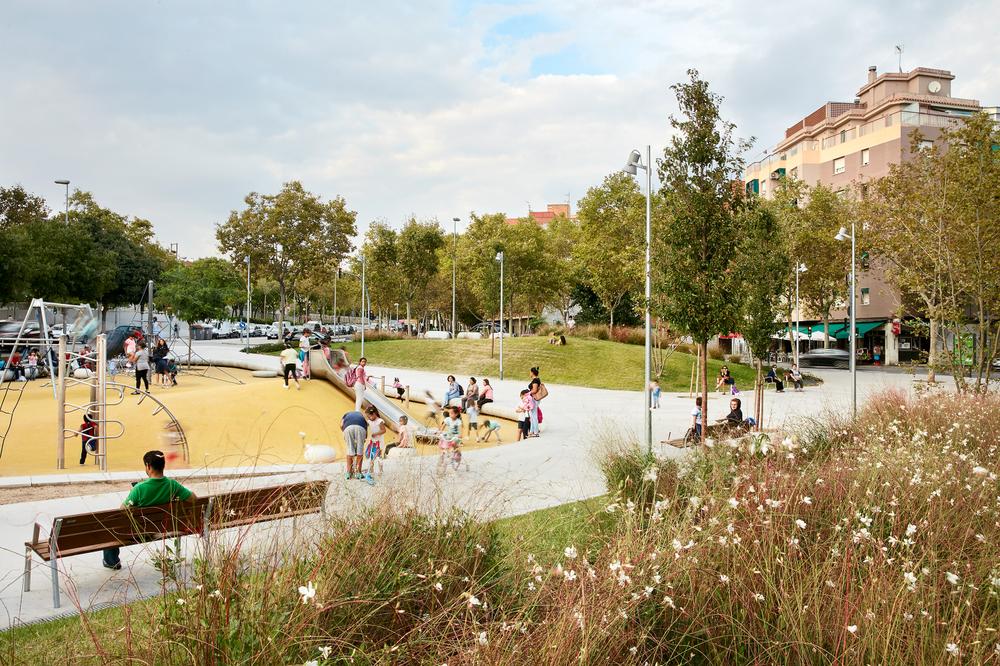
x=862 y=327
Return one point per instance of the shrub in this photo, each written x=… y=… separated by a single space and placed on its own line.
x=734 y=358
x=716 y=353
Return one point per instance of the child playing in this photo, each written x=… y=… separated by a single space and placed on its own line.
x=492 y=426
x=373 y=452
x=172 y=371
x=472 y=412
x=404 y=438
x=696 y=417
x=433 y=409
x=523 y=411
x=400 y=389
x=654 y=388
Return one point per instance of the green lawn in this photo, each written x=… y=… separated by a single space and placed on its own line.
x=582 y=362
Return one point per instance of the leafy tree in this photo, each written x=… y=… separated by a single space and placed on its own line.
x=593 y=312
x=417 y=250
x=19 y=207
x=611 y=237
x=382 y=278
x=698 y=248
x=562 y=269
x=762 y=267
x=824 y=285
x=288 y=235
x=200 y=290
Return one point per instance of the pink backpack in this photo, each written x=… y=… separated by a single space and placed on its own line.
x=350 y=377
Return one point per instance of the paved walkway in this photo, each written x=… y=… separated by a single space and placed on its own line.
x=518 y=477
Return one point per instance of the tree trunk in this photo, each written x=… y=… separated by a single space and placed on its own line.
x=408 y=334
x=826 y=332
x=611 y=326
x=189 y=345
x=758 y=408
x=704 y=389
x=932 y=352
x=283 y=306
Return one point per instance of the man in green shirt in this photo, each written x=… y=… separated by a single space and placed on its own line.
x=157 y=489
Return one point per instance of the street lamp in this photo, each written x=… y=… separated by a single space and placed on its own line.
x=454 y=255
x=842 y=235
x=397 y=314
x=364 y=304
x=631 y=166
x=66 y=183
x=801 y=268
x=499 y=258
x=246 y=317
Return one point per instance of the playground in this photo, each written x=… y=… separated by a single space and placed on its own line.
x=226 y=424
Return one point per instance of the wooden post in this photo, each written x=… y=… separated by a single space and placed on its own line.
x=61 y=404
x=102 y=404
x=407 y=397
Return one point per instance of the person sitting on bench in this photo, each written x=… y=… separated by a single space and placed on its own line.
x=772 y=378
x=155 y=490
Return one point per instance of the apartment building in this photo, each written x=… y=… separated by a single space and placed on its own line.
x=842 y=144
x=543 y=217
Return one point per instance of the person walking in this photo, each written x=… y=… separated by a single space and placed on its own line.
x=354 y=425
x=287 y=359
x=140 y=359
x=155 y=490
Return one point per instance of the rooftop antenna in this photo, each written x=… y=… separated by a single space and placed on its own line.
x=899 y=56
x=529 y=208
x=569 y=205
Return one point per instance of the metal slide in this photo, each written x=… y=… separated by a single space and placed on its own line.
x=389 y=410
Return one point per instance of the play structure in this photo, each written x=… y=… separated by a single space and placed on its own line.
x=70 y=362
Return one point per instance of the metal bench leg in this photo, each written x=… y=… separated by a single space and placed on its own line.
x=27 y=569
x=55 y=582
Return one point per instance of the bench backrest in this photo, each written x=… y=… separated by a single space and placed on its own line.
x=125 y=526
x=84 y=532
x=244 y=507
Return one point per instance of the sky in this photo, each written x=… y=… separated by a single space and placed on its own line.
x=174 y=110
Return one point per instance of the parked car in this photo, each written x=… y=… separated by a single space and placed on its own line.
x=9 y=333
x=835 y=358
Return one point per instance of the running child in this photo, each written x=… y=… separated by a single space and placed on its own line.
x=472 y=413
x=451 y=439
x=400 y=389
x=287 y=358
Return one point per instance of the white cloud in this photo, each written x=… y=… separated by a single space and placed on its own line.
x=175 y=111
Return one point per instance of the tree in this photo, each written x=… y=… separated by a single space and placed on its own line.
x=611 y=238
x=203 y=289
x=418 y=245
x=564 y=272
x=825 y=284
x=380 y=250
x=761 y=268
x=698 y=248
x=19 y=207
x=287 y=235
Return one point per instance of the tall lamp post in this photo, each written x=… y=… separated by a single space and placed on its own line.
x=454 y=258
x=66 y=183
x=499 y=258
x=801 y=268
x=246 y=317
x=364 y=304
x=842 y=235
x=631 y=166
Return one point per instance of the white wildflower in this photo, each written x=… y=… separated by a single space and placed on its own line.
x=694 y=501
x=650 y=474
x=951 y=577
x=733 y=502
x=482 y=638
x=799 y=523
x=853 y=628
x=723 y=578
x=308 y=592
x=570 y=574
x=980 y=471
x=438 y=587
x=474 y=601
x=911 y=529
x=325 y=651
x=951 y=649
x=570 y=552
x=181 y=601
x=807 y=500
x=758 y=596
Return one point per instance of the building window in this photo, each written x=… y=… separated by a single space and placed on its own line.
x=926 y=144
x=865 y=157
x=843 y=136
x=866 y=298
x=795 y=172
x=839 y=165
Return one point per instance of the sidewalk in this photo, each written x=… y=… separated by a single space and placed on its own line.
x=506 y=480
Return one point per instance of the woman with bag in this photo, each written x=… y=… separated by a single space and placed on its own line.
x=538 y=392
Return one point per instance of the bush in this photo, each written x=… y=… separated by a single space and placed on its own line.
x=715 y=353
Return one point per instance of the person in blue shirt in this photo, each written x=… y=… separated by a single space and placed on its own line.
x=454 y=391
x=354 y=425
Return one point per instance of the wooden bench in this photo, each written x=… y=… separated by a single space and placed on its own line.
x=126 y=526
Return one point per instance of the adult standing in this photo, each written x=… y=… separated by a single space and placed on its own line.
x=305 y=344
x=360 y=384
x=155 y=490
x=538 y=392
x=354 y=425
x=160 y=353
x=140 y=359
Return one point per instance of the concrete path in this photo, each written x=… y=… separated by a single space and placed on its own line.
x=557 y=467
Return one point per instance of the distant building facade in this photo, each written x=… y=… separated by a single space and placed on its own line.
x=543 y=217
x=842 y=144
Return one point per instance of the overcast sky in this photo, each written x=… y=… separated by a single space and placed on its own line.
x=175 y=110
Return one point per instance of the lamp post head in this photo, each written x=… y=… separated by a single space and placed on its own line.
x=801 y=268
x=842 y=235
x=499 y=256
x=454 y=219
x=62 y=182
x=633 y=163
